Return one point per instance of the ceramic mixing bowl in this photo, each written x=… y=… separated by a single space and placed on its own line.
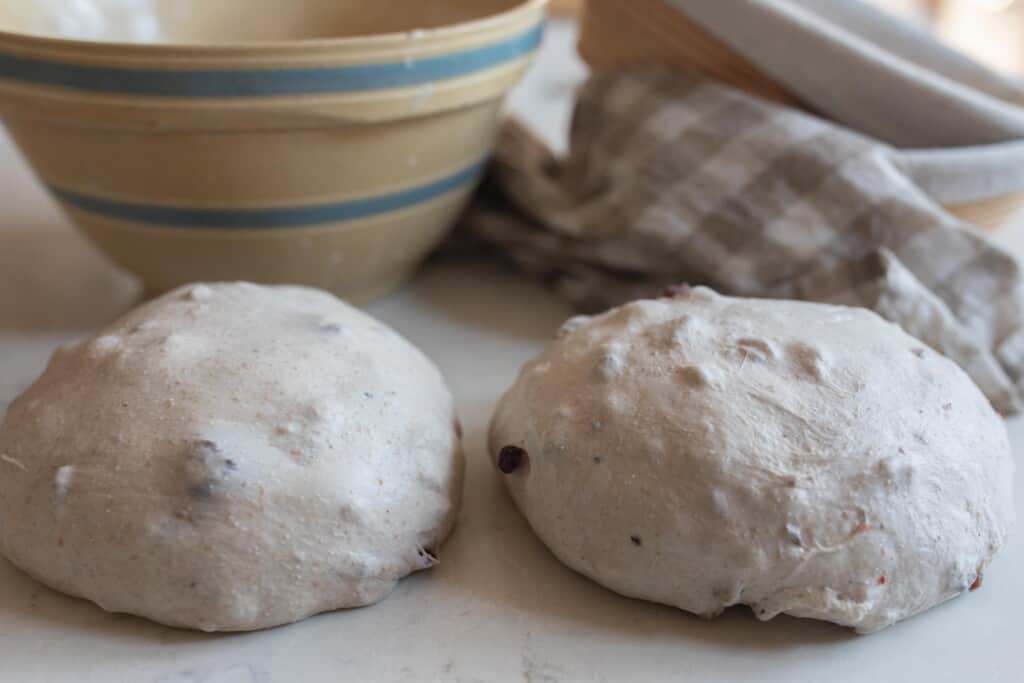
x=323 y=142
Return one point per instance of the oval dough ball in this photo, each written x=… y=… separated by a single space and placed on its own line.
x=231 y=457
x=704 y=451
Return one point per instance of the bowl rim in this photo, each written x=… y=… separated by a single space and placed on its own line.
x=369 y=42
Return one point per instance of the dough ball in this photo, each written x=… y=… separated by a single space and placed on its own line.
x=704 y=451
x=231 y=457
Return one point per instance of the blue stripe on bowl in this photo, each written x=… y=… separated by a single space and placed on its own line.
x=263 y=219
x=223 y=83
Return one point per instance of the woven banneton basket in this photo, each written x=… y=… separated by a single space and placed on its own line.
x=619 y=33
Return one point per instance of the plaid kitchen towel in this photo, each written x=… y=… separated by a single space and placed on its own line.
x=672 y=178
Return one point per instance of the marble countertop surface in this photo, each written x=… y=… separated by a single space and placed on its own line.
x=499 y=607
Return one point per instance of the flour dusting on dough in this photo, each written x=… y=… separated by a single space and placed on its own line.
x=62 y=482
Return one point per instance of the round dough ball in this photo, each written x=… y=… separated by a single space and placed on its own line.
x=704 y=451
x=231 y=457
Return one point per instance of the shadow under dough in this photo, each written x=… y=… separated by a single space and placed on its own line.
x=52 y=279
x=26 y=600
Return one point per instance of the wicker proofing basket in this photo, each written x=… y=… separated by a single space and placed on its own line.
x=619 y=33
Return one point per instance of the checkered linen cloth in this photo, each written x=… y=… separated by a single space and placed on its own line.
x=672 y=178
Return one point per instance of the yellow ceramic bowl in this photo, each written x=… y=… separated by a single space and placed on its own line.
x=322 y=142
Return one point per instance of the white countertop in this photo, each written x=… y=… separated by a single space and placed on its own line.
x=499 y=607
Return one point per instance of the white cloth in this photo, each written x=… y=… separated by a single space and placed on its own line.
x=959 y=124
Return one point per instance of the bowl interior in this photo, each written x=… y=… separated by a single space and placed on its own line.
x=234 y=21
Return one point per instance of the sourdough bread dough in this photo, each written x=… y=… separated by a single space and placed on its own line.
x=704 y=451
x=231 y=457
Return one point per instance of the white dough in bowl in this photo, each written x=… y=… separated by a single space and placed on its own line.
x=703 y=451
x=231 y=457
